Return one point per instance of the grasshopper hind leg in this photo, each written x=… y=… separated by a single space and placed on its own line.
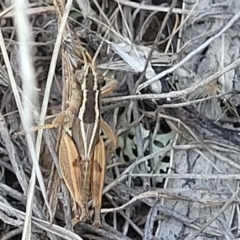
x=98 y=177
x=110 y=135
x=71 y=168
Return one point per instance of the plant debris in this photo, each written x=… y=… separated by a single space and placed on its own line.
x=176 y=113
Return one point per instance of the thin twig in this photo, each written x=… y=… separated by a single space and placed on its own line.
x=177 y=94
x=191 y=54
x=225 y=206
x=151 y=7
x=28 y=79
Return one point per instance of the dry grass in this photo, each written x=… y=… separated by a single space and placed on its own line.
x=170 y=178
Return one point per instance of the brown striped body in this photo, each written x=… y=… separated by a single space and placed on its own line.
x=83 y=127
x=82 y=153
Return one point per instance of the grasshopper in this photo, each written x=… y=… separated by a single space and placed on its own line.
x=82 y=153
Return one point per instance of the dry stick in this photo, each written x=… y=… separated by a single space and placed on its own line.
x=212 y=144
x=169 y=39
x=204 y=197
x=101 y=43
x=125 y=173
x=134 y=109
x=8 y=220
x=12 y=233
x=31 y=11
x=191 y=196
x=55 y=181
x=225 y=206
x=151 y=7
x=11 y=192
x=222 y=158
x=183 y=195
x=101 y=13
x=216 y=154
x=6 y=11
x=13 y=156
x=46 y=226
x=188 y=175
x=125 y=25
x=157 y=196
x=124 y=215
x=193 y=102
x=51 y=73
x=225 y=227
x=18 y=170
x=152 y=214
x=18 y=101
x=27 y=72
x=134 y=104
x=164 y=23
x=116 y=235
x=106 y=230
x=148 y=194
x=191 y=54
x=50 y=77
x=177 y=94
x=140 y=152
x=135 y=112
x=85 y=7
x=183 y=21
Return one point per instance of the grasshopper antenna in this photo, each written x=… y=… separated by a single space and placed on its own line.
x=101 y=44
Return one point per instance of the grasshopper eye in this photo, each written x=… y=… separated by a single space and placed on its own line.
x=79 y=76
x=100 y=78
